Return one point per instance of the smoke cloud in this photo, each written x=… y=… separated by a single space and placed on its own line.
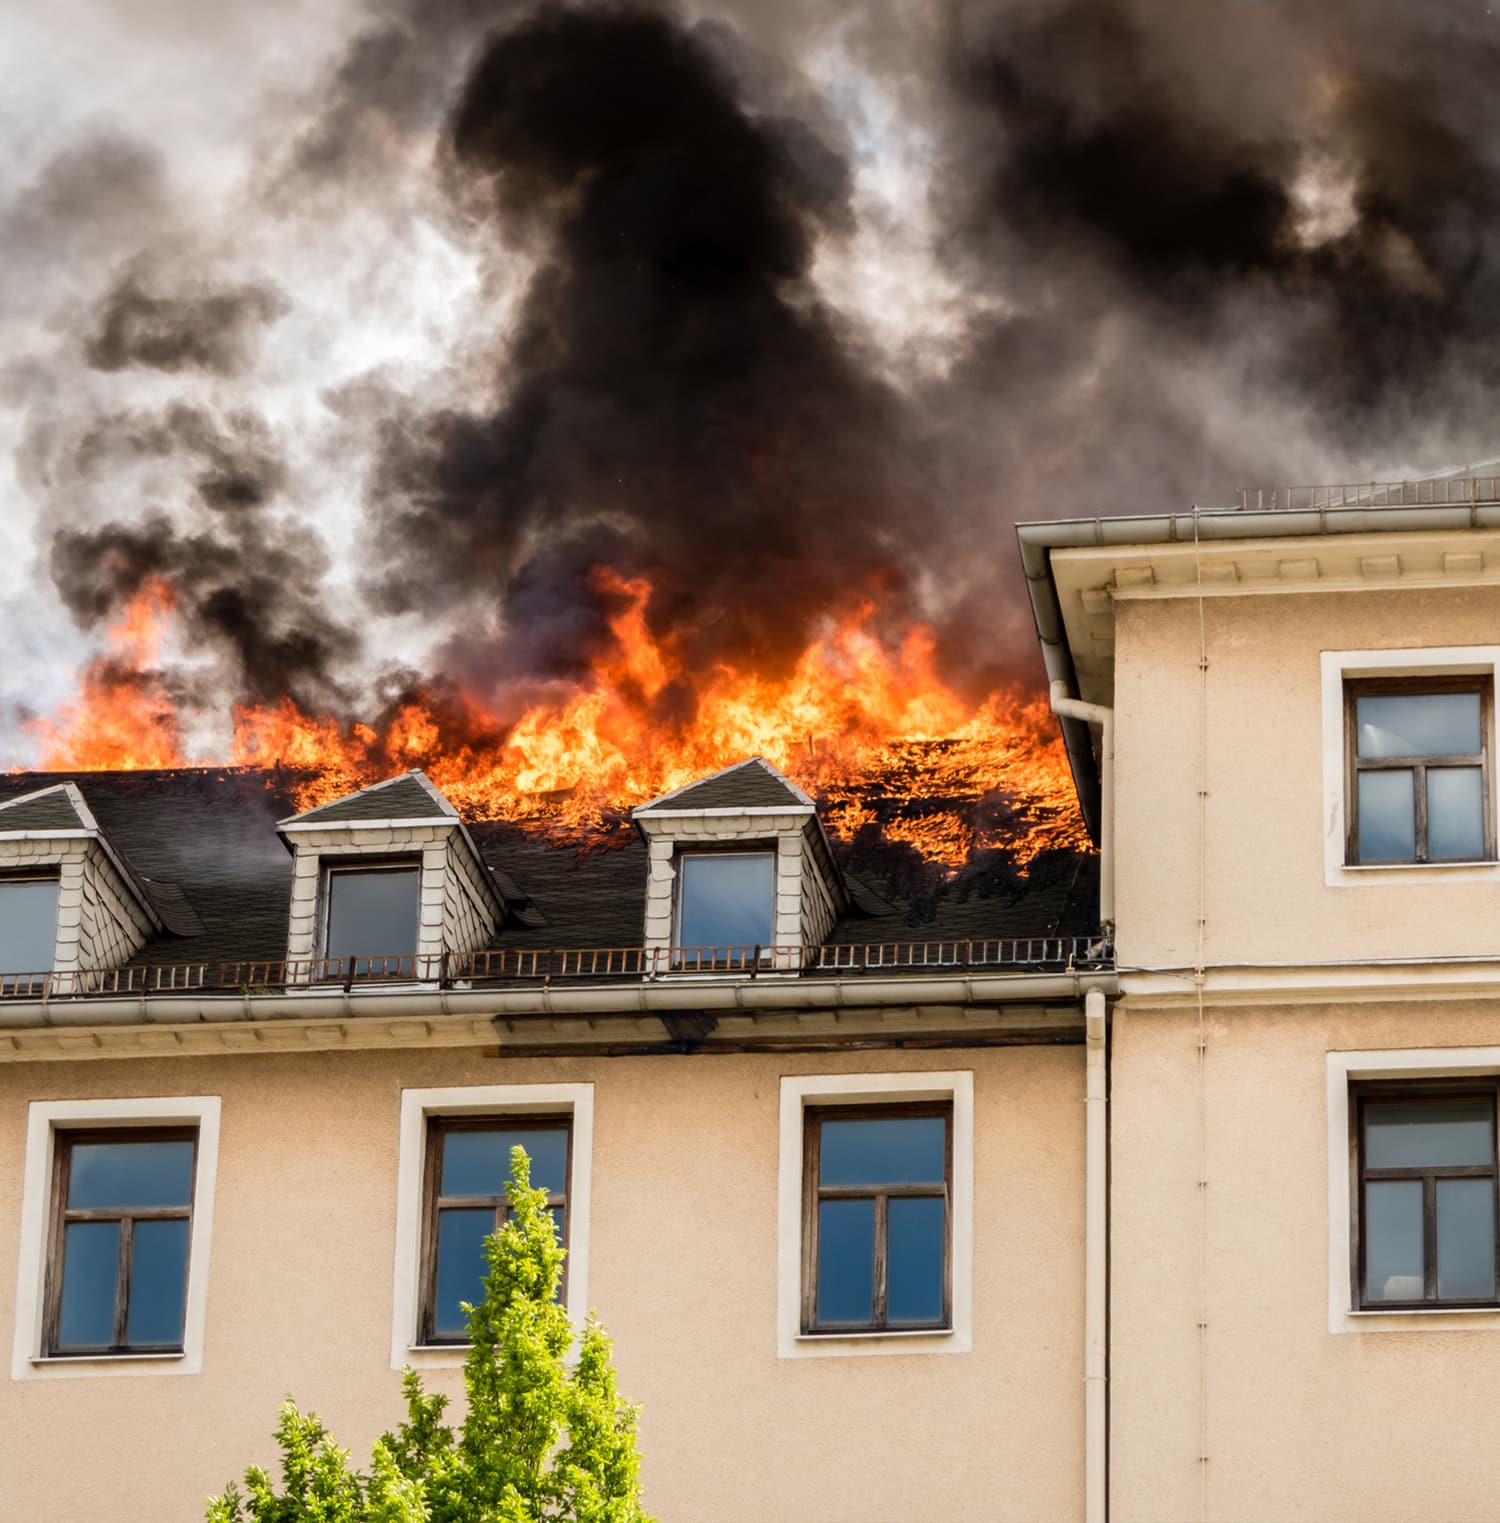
x=502 y=293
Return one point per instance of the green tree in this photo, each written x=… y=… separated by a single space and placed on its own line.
x=541 y=1442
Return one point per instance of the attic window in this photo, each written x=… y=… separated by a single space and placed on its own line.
x=372 y=917
x=725 y=905
x=28 y=927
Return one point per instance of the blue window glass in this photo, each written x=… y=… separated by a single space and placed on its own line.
x=121 y=1284
x=725 y=902
x=28 y=926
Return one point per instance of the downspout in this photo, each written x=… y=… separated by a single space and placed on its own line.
x=1096 y=713
x=1095 y=1262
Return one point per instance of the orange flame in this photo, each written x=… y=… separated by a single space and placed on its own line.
x=869 y=729
x=123 y=716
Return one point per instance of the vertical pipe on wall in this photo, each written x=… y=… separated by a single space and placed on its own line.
x=1095 y=1260
x=1096 y=713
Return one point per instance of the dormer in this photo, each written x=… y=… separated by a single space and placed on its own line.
x=69 y=904
x=385 y=883
x=740 y=874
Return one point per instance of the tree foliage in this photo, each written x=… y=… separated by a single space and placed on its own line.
x=540 y=1443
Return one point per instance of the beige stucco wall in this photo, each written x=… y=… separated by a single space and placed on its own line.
x=683 y=1270
x=1298 y=1422
x=1264 y=892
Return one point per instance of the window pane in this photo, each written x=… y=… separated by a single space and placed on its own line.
x=886 y=1150
x=1393 y=1240
x=1421 y=1134
x=846 y=1261
x=478 y=1162
x=727 y=900
x=126 y=1174
x=1418 y=724
x=28 y=926
x=372 y=913
x=158 y=1282
x=1455 y=814
x=460 y=1268
x=1387 y=817
x=91 y=1257
x=1466 y=1239
x=914 y=1261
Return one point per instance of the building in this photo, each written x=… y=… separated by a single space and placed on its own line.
x=245 y=1152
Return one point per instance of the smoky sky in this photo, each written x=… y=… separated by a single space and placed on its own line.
x=783 y=307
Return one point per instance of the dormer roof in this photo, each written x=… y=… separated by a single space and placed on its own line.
x=58 y=808
x=410 y=799
x=748 y=787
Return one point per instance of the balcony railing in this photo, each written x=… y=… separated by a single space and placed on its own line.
x=523 y=967
x=1442 y=491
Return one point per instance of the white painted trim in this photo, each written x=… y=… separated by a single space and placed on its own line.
x=1345 y=1068
x=425 y=782
x=797 y=1093
x=478 y=1100
x=786 y=782
x=44 y=1119
x=726 y=812
x=1432 y=661
x=425 y=822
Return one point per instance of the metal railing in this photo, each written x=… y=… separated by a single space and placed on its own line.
x=1440 y=492
x=524 y=966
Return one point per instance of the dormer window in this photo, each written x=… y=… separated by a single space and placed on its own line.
x=726 y=903
x=741 y=875
x=28 y=928
x=386 y=883
x=371 y=917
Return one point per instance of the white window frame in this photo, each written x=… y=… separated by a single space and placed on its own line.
x=769 y=849
x=1340 y=666
x=1344 y=1069
x=42 y=874
x=418 y=1106
x=797 y=1094
x=44 y=1120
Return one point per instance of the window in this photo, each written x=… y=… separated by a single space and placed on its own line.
x=725 y=908
x=468 y=1167
x=28 y=930
x=117 y=1205
x=1425 y=1209
x=370 y=918
x=118 y=1264
x=1417 y=755
x=454 y=1159
x=875 y=1215
x=875 y=1222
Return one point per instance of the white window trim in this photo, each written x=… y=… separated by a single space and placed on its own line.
x=797 y=1093
x=1345 y=1068
x=45 y=1118
x=417 y=1107
x=1339 y=665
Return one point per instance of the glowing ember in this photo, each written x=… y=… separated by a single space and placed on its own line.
x=870 y=731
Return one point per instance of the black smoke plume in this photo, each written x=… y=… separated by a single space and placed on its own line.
x=675 y=398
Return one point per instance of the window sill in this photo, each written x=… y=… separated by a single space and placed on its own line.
x=81 y=1359
x=1426 y=1311
x=1422 y=867
x=873 y=1335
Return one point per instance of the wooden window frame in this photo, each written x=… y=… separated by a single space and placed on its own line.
x=813 y=1193
x=10 y=983
x=1485 y=1087
x=680 y=964
x=61 y=1215
x=438 y=1126
x=1366 y=687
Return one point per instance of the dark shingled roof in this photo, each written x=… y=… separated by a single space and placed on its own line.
x=402 y=798
x=204 y=843
x=750 y=785
x=52 y=810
